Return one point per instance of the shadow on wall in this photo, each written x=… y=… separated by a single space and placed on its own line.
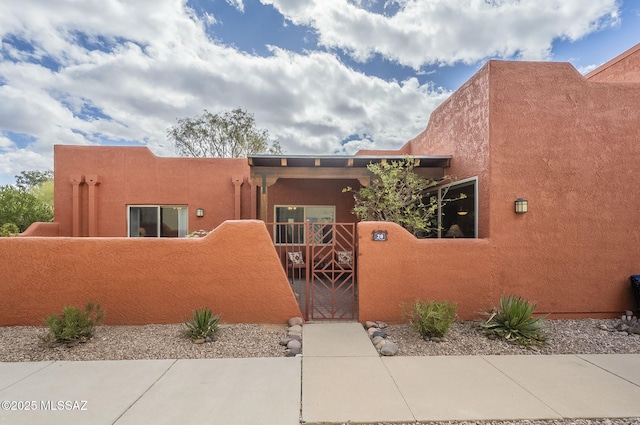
x=234 y=270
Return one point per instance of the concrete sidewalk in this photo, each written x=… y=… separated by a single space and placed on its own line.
x=339 y=378
x=348 y=381
x=215 y=391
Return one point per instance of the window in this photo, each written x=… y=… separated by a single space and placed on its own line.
x=158 y=221
x=459 y=218
x=296 y=233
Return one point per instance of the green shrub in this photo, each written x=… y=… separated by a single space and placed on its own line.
x=202 y=324
x=431 y=318
x=8 y=229
x=514 y=322
x=73 y=324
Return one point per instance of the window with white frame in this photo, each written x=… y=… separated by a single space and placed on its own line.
x=458 y=217
x=158 y=221
x=296 y=216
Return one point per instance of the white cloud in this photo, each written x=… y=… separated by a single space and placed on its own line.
x=584 y=70
x=238 y=4
x=153 y=62
x=450 y=31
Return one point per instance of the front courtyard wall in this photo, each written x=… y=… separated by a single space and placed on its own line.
x=405 y=268
x=234 y=270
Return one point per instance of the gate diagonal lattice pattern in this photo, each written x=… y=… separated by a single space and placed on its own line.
x=320 y=262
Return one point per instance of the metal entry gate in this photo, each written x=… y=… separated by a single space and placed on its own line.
x=320 y=262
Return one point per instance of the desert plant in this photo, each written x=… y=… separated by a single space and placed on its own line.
x=514 y=321
x=73 y=324
x=202 y=324
x=431 y=318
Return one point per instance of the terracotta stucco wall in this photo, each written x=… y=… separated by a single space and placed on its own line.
x=570 y=147
x=134 y=176
x=404 y=269
x=460 y=127
x=543 y=132
x=624 y=68
x=234 y=270
x=314 y=192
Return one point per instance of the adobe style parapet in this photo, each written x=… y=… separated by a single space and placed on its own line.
x=624 y=68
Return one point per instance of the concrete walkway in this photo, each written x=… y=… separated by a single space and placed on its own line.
x=339 y=378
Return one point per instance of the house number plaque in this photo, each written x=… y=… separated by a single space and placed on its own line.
x=380 y=235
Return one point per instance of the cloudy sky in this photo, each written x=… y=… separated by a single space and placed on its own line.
x=322 y=76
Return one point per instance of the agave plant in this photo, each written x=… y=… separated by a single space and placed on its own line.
x=202 y=324
x=514 y=322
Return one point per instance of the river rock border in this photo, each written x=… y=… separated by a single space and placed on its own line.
x=628 y=324
x=293 y=341
x=378 y=336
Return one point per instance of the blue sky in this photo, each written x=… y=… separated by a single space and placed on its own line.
x=322 y=76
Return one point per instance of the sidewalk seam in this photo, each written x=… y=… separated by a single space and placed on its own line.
x=399 y=390
x=560 y=415
x=144 y=392
x=606 y=370
x=31 y=374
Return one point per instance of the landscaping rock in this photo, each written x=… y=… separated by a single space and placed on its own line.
x=294 y=345
x=378 y=342
x=382 y=325
x=295 y=329
x=198 y=341
x=295 y=321
x=296 y=337
x=389 y=349
x=370 y=325
x=370 y=331
x=379 y=333
x=285 y=341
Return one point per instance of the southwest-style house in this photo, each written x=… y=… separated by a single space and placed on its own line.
x=286 y=243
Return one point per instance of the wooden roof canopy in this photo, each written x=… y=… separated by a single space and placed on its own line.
x=343 y=161
x=265 y=170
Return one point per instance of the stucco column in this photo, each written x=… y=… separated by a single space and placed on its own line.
x=237 y=183
x=93 y=181
x=254 y=200
x=264 y=184
x=76 y=180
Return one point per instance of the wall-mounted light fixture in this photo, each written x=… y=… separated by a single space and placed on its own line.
x=522 y=206
x=200 y=212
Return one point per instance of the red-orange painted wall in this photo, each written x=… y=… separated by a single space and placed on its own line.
x=314 y=192
x=134 y=176
x=234 y=270
x=42 y=229
x=570 y=147
x=543 y=132
x=624 y=68
x=404 y=269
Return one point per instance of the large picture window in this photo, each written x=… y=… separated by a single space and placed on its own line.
x=158 y=221
x=458 y=218
x=300 y=214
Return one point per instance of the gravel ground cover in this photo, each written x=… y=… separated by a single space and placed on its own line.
x=584 y=336
x=22 y=344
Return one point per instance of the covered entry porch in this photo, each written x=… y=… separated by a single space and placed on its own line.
x=312 y=226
